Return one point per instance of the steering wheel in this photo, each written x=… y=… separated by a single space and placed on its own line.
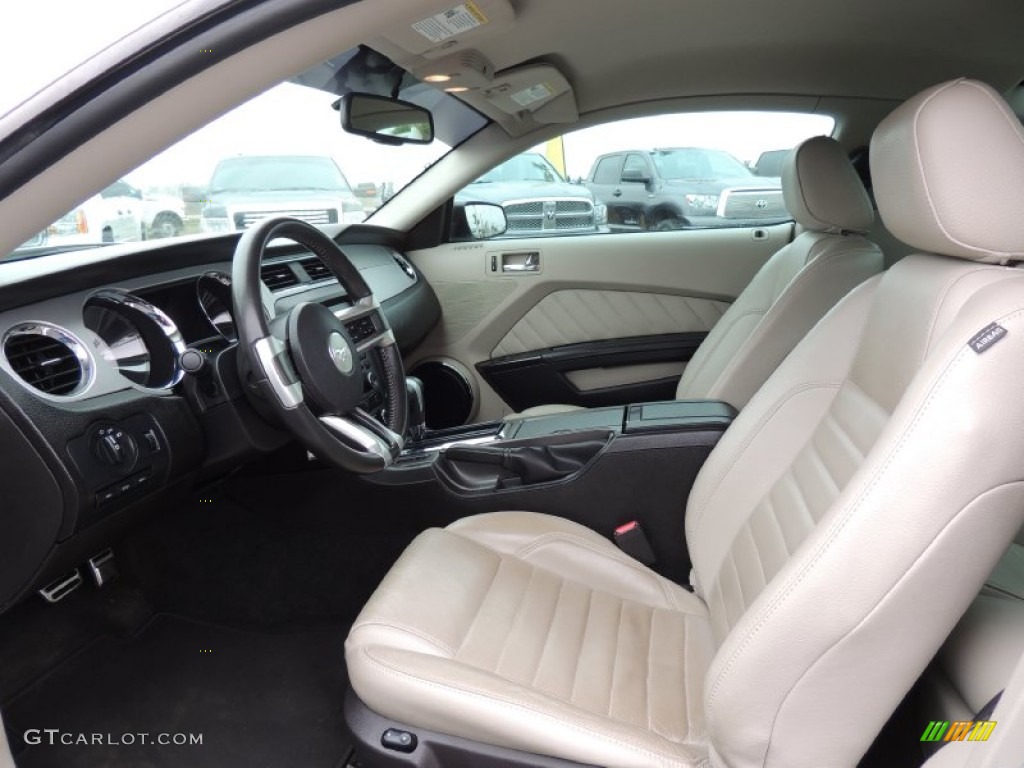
x=304 y=366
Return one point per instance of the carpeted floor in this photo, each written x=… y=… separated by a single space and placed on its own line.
x=256 y=698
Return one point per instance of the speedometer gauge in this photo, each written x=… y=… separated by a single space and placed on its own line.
x=214 y=292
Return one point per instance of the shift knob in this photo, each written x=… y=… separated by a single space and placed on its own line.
x=417 y=413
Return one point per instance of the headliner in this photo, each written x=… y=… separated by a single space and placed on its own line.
x=617 y=53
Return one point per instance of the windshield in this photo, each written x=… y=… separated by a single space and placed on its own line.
x=526 y=167
x=282 y=153
x=268 y=174
x=692 y=163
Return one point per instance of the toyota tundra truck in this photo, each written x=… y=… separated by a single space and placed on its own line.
x=683 y=188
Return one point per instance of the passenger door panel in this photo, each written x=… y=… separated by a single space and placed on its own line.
x=608 y=318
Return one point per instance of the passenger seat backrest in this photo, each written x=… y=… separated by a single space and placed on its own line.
x=798 y=285
x=852 y=511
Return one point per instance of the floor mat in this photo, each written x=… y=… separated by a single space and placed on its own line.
x=254 y=698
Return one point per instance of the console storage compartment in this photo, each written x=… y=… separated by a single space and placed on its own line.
x=517 y=463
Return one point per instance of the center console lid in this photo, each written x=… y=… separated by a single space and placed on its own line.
x=678 y=416
x=636 y=419
x=570 y=421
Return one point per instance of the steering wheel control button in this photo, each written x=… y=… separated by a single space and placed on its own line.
x=341 y=353
x=399 y=741
x=362 y=329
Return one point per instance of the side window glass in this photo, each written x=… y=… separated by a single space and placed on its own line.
x=608 y=170
x=707 y=170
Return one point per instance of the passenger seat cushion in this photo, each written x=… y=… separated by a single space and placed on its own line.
x=526 y=630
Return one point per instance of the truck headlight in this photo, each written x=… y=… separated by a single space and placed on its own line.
x=702 y=202
x=600 y=215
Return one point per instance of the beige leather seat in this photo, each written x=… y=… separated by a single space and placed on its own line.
x=794 y=289
x=838 y=531
x=979 y=656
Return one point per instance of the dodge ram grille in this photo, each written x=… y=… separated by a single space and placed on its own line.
x=526 y=217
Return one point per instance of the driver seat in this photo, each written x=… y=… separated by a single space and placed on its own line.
x=838 y=531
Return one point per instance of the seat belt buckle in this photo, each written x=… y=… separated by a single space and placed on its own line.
x=631 y=539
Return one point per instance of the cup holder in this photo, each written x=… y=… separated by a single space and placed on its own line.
x=448 y=394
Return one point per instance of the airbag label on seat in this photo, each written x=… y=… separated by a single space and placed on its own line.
x=987 y=337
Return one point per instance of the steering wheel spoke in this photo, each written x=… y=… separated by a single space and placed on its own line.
x=364 y=433
x=277 y=368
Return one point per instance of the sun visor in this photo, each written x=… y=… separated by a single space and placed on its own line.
x=538 y=89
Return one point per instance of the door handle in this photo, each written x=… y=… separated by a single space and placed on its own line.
x=525 y=261
x=617 y=193
x=520 y=268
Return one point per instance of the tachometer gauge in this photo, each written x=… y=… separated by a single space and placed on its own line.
x=214 y=292
x=142 y=341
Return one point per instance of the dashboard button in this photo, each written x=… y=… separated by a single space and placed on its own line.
x=152 y=440
x=107 y=495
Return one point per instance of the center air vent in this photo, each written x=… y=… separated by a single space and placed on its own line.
x=47 y=358
x=316 y=269
x=278 y=276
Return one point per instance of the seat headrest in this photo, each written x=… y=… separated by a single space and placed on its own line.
x=822 y=190
x=948 y=170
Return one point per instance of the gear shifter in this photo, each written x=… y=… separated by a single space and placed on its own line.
x=417 y=413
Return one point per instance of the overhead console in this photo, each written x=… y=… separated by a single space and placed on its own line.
x=448 y=50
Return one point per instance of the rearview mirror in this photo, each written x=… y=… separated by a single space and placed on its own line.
x=386 y=120
x=485 y=220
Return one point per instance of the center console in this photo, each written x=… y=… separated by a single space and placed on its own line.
x=605 y=468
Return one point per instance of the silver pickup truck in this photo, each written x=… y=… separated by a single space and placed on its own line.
x=536 y=199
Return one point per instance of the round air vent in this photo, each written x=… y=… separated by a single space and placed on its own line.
x=48 y=358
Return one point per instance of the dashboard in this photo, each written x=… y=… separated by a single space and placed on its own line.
x=118 y=394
